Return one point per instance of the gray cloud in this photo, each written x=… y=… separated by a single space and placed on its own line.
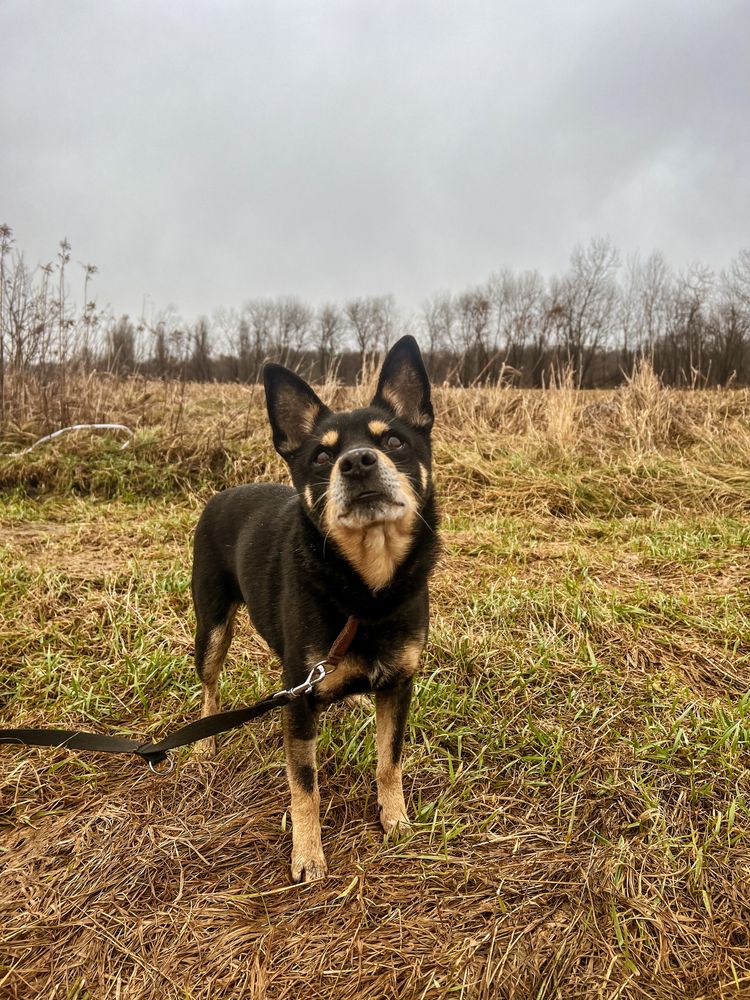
x=205 y=153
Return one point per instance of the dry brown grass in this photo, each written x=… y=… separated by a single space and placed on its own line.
x=578 y=764
x=216 y=433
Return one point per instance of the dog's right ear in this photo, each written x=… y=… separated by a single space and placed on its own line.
x=293 y=408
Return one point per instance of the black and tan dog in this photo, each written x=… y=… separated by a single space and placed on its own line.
x=355 y=537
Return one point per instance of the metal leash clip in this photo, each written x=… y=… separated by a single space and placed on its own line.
x=315 y=676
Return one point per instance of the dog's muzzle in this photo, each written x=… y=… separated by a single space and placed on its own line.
x=366 y=490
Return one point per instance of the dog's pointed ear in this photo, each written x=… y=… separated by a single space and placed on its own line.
x=293 y=408
x=403 y=386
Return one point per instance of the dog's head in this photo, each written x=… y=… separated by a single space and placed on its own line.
x=363 y=476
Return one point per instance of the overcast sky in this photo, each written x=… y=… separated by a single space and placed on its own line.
x=205 y=153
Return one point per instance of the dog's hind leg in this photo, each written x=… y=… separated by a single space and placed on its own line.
x=213 y=635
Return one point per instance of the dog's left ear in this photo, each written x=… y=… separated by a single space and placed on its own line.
x=293 y=408
x=404 y=386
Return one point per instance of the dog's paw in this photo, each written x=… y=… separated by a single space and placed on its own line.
x=393 y=821
x=309 y=869
x=205 y=749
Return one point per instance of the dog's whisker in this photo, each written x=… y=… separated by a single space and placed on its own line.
x=324 y=496
x=426 y=523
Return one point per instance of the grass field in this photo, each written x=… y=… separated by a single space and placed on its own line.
x=578 y=753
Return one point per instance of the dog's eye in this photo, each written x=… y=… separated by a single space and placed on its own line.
x=322 y=458
x=392 y=442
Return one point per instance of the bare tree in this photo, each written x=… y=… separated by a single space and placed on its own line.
x=517 y=307
x=655 y=294
x=473 y=313
x=25 y=324
x=385 y=321
x=582 y=305
x=6 y=242
x=361 y=325
x=200 y=355
x=329 y=325
x=160 y=358
x=679 y=353
x=259 y=315
x=292 y=326
x=729 y=323
x=739 y=279
x=121 y=347
x=436 y=319
x=244 y=351
x=232 y=340
x=19 y=320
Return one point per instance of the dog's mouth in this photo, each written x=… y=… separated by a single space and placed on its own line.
x=368 y=496
x=370 y=507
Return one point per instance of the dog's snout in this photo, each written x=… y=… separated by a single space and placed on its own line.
x=358 y=462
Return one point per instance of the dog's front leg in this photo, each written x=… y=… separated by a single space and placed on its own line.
x=391 y=712
x=300 y=730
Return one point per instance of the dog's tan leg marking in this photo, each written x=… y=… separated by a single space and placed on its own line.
x=308 y=860
x=216 y=652
x=391 y=708
x=391 y=805
x=409 y=657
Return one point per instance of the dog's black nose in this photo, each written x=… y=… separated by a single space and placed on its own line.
x=358 y=462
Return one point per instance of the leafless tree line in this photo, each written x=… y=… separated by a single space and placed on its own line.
x=599 y=317
x=518 y=327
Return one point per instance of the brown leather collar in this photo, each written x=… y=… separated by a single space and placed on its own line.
x=342 y=642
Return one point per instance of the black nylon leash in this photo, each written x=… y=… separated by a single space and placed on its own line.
x=211 y=725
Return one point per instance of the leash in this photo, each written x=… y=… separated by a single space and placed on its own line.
x=211 y=725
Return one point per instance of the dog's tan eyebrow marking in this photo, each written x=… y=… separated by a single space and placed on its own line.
x=377 y=427
x=330 y=438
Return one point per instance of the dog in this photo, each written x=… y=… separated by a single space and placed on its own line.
x=355 y=536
